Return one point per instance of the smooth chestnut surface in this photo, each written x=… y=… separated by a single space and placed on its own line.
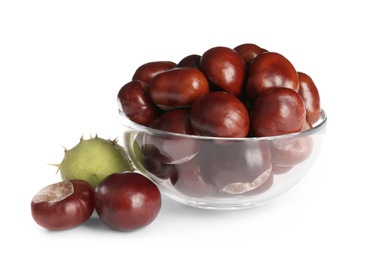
x=63 y=205
x=174 y=149
x=279 y=111
x=310 y=95
x=178 y=87
x=225 y=68
x=127 y=201
x=190 y=180
x=157 y=164
x=276 y=169
x=249 y=51
x=290 y=155
x=190 y=61
x=148 y=70
x=175 y=121
x=220 y=114
x=135 y=102
x=269 y=70
x=239 y=167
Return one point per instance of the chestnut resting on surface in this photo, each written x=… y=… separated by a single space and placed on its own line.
x=63 y=205
x=127 y=201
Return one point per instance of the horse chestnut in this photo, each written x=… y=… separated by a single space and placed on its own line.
x=249 y=51
x=135 y=102
x=278 y=111
x=190 y=180
x=127 y=201
x=269 y=70
x=155 y=163
x=63 y=205
x=148 y=70
x=310 y=95
x=175 y=149
x=239 y=167
x=225 y=68
x=290 y=155
x=178 y=87
x=190 y=61
x=220 y=114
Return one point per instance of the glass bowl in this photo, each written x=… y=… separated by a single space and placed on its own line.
x=222 y=173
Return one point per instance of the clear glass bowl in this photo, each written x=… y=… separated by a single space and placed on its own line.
x=222 y=173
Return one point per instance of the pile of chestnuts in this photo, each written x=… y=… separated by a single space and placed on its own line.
x=240 y=92
x=124 y=201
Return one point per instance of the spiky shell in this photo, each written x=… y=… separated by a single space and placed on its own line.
x=93 y=160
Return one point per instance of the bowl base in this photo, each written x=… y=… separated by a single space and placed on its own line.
x=215 y=205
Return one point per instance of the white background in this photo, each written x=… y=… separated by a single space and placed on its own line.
x=63 y=62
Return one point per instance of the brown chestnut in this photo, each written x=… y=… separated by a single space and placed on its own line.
x=191 y=181
x=178 y=87
x=269 y=70
x=225 y=68
x=289 y=155
x=148 y=70
x=134 y=100
x=127 y=201
x=310 y=95
x=155 y=163
x=175 y=121
x=220 y=114
x=276 y=169
x=190 y=61
x=278 y=111
x=63 y=205
x=175 y=149
x=249 y=51
x=239 y=167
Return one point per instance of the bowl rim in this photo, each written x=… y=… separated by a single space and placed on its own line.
x=321 y=123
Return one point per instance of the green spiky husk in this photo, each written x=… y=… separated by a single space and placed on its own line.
x=93 y=160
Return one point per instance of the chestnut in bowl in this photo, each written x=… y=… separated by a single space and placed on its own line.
x=220 y=114
x=147 y=71
x=310 y=95
x=224 y=173
x=249 y=51
x=191 y=60
x=239 y=167
x=178 y=88
x=174 y=149
x=224 y=67
x=134 y=100
x=278 y=111
x=270 y=70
